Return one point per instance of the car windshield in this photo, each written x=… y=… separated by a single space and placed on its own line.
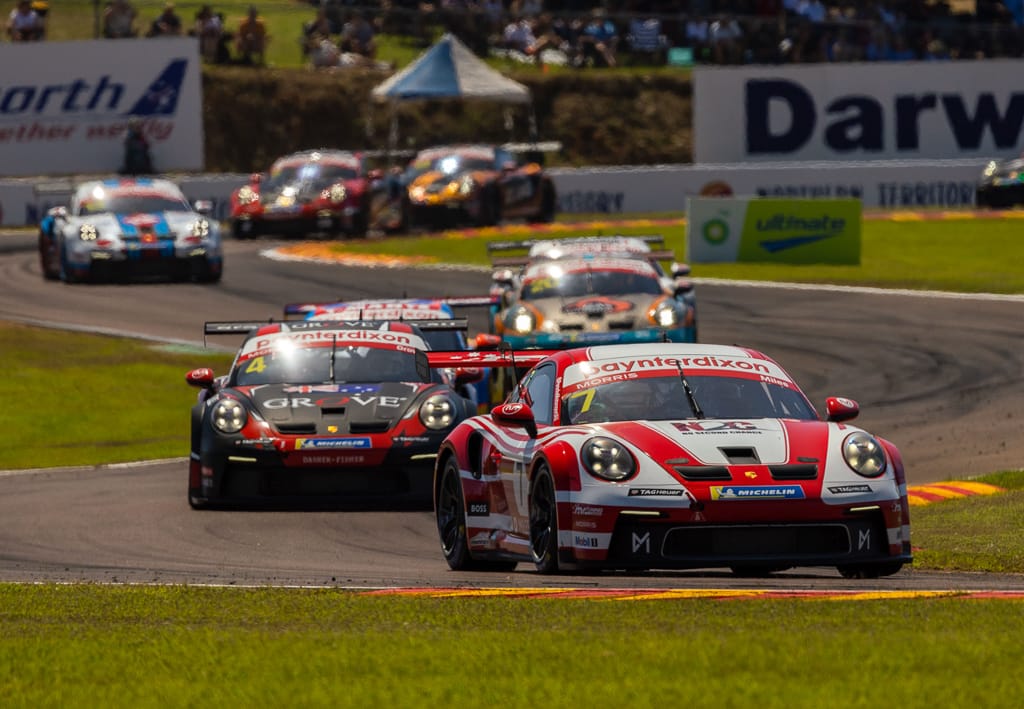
x=581 y=283
x=663 y=398
x=450 y=164
x=312 y=365
x=317 y=174
x=133 y=204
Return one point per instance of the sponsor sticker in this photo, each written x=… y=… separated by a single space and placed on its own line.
x=757 y=492
x=654 y=492
x=478 y=509
x=326 y=443
x=848 y=489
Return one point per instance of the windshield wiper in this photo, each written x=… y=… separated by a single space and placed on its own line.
x=697 y=411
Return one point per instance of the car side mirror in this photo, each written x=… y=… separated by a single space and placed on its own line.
x=516 y=414
x=682 y=286
x=256 y=178
x=838 y=409
x=201 y=378
x=203 y=206
x=486 y=341
x=680 y=270
x=376 y=174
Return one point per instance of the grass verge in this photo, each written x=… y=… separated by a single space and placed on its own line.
x=89 y=399
x=186 y=646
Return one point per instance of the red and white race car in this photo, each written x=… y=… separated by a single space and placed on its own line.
x=669 y=456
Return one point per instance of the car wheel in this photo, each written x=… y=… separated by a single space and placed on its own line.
x=548 y=205
x=451 y=525
x=869 y=571
x=544 y=522
x=67 y=274
x=50 y=269
x=207 y=274
x=242 y=229
x=490 y=207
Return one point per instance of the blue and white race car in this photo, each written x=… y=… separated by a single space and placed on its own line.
x=126 y=227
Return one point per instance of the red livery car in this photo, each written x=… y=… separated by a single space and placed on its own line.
x=669 y=456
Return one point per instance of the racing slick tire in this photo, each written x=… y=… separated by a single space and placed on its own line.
x=490 y=207
x=544 y=522
x=548 y=205
x=361 y=223
x=869 y=571
x=51 y=271
x=68 y=275
x=451 y=525
x=241 y=234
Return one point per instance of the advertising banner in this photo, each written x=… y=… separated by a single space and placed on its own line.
x=773 y=230
x=64 y=106
x=858 y=111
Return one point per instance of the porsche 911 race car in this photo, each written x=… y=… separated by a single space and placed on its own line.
x=1001 y=184
x=595 y=299
x=321 y=412
x=669 y=456
x=476 y=185
x=130 y=227
x=308 y=192
x=470 y=382
x=508 y=269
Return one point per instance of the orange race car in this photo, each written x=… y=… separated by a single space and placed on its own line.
x=478 y=185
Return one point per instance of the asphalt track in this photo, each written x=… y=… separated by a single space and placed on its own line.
x=939 y=375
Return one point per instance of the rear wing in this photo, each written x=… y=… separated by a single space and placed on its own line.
x=487 y=358
x=601 y=244
x=243 y=327
x=464 y=301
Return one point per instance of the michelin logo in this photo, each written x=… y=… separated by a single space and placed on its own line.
x=759 y=492
x=325 y=443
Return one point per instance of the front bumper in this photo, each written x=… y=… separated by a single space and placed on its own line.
x=145 y=260
x=244 y=476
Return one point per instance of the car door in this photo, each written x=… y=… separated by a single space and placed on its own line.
x=518 y=188
x=536 y=391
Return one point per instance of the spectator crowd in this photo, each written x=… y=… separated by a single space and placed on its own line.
x=592 y=33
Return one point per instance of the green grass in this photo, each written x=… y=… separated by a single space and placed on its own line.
x=980 y=533
x=87 y=645
x=972 y=255
x=88 y=399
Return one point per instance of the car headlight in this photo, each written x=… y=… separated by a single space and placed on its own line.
x=466 y=185
x=989 y=169
x=522 y=320
x=607 y=459
x=864 y=454
x=87 y=232
x=200 y=229
x=664 y=314
x=228 y=415
x=247 y=195
x=336 y=193
x=437 y=412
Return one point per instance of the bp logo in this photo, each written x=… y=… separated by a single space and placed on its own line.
x=715 y=231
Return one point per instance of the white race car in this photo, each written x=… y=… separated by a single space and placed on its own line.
x=127 y=227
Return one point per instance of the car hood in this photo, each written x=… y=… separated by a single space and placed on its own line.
x=435 y=181
x=335 y=408
x=732 y=441
x=137 y=225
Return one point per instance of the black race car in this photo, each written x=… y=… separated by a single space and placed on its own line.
x=322 y=412
x=1001 y=184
